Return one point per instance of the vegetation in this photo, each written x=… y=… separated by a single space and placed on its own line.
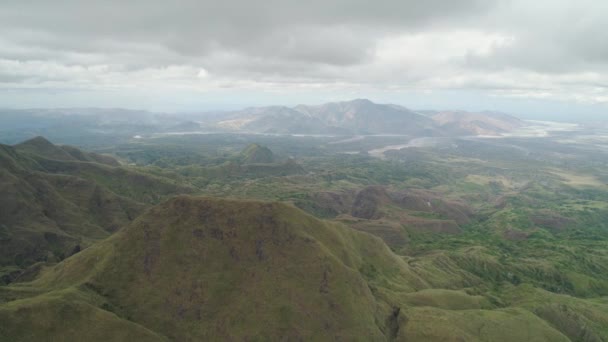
x=465 y=240
x=55 y=204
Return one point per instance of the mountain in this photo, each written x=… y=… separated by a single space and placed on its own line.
x=276 y=119
x=57 y=200
x=42 y=147
x=186 y=126
x=82 y=126
x=484 y=123
x=194 y=269
x=98 y=128
x=362 y=116
x=210 y=269
x=256 y=154
x=351 y=117
x=253 y=162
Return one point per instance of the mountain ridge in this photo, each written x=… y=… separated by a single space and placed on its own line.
x=57 y=200
x=362 y=116
x=91 y=126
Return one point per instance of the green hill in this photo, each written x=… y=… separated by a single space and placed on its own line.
x=39 y=146
x=255 y=161
x=196 y=269
x=42 y=147
x=256 y=154
x=54 y=204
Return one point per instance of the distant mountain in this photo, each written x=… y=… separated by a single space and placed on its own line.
x=362 y=116
x=81 y=126
x=254 y=161
x=186 y=126
x=468 y=123
x=58 y=199
x=352 y=117
x=94 y=127
x=279 y=120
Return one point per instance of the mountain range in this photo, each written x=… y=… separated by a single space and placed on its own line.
x=362 y=117
x=94 y=126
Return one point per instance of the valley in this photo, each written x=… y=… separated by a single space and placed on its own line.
x=272 y=235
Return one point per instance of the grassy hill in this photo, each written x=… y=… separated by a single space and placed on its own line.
x=254 y=161
x=197 y=269
x=57 y=200
x=213 y=269
x=256 y=154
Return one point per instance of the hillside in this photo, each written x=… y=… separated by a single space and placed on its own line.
x=254 y=161
x=58 y=200
x=247 y=270
x=40 y=146
x=209 y=269
x=468 y=123
x=256 y=154
x=275 y=119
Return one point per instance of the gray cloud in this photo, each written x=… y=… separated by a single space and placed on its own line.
x=549 y=36
x=504 y=46
x=334 y=32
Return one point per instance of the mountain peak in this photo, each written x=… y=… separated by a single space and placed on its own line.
x=44 y=148
x=257 y=154
x=37 y=141
x=361 y=101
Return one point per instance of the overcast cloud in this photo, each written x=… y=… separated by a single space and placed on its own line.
x=81 y=52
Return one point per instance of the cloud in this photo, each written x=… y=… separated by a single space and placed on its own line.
x=511 y=48
x=302 y=30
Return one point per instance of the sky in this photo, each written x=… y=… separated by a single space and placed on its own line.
x=537 y=59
